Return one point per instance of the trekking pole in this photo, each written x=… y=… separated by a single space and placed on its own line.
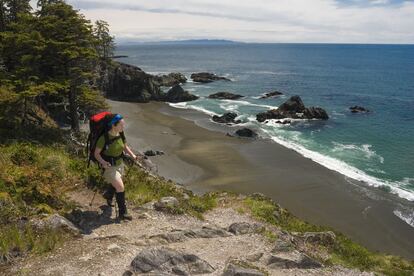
x=90 y=204
x=146 y=165
x=116 y=211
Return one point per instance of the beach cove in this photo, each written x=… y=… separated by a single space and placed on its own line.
x=200 y=156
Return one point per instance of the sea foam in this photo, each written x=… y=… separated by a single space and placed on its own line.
x=407 y=216
x=185 y=105
x=326 y=161
x=365 y=149
x=343 y=168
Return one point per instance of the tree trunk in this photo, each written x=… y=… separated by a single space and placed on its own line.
x=2 y=16
x=73 y=109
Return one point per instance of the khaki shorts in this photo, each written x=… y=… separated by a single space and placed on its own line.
x=114 y=173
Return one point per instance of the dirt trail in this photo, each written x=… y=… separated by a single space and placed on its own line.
x=109 y=247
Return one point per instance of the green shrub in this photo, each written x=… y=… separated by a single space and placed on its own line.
x=24 y=155
x=8 y=210
x=16 y=242
x=55 y=164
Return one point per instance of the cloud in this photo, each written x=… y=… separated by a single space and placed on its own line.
x=352 y=21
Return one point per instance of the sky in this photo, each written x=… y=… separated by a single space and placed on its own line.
x=278 y=21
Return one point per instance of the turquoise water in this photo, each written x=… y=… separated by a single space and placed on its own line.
x=377 y=148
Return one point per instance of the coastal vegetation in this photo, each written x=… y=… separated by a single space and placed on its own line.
x=342 y=250
x=50 y=59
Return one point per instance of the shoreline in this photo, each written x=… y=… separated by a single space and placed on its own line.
x=204 y=160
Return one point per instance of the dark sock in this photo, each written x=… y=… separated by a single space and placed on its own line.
x=123 y=213
x=120 y=199
x=109 y=195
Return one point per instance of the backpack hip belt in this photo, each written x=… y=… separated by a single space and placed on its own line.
x=111 y=159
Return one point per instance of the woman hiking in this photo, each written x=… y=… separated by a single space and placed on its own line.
x=109 y=151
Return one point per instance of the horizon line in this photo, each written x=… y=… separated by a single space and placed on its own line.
x=124 y=42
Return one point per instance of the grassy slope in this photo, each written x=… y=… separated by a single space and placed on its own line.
x=35 y=177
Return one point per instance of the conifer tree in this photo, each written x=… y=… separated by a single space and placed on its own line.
x=16 y=7
x=105 y=44
x=47 y=55
x=3 y=15
x=69 y=55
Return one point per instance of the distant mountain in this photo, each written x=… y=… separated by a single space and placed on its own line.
x=181 y=42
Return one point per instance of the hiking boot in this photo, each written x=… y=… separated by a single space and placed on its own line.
x=109 y=195
x=123 y=213
x=125 y=217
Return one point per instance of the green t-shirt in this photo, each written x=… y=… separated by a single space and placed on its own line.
x=115 y=149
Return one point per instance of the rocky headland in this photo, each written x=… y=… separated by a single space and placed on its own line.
x=126 y=82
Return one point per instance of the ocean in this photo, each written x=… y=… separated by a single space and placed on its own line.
x=376 y=148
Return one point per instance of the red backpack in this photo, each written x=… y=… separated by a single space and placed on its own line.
x=98 y=126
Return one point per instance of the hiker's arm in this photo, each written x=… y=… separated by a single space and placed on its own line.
x=130 y=152
x=98 y=157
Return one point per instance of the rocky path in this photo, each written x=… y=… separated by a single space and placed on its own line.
x=155 y=243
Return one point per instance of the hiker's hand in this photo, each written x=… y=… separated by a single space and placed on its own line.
x=137 y=157
x=105 y=164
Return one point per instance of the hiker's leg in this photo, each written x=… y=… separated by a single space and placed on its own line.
x=118 y=184
x=123 y=212
x=109 y=194
x=113 y=175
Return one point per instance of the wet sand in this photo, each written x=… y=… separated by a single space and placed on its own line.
x=205 y=159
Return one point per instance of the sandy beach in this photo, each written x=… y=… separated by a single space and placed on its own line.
x=200 y=156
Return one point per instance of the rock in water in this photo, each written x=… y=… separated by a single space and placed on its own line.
x=170 y=80
x=293 y=105
x=295 y=109
x=271 y=95
x=315 y=113
x=226 y=118
x=177 y=94
x=205 y=77
x=271 y=114
x=245 y=132
x=225 y=96
x=358 y=109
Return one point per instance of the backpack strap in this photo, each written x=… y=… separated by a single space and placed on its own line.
x=108 y=141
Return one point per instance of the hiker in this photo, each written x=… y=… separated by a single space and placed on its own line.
x=109 y=155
